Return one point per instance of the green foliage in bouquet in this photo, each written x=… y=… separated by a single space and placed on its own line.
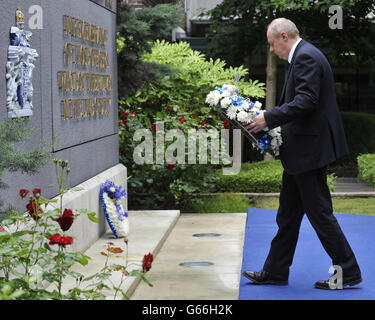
x=366 y=168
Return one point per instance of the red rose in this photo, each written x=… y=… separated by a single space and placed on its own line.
x=66 y=241
x=23 y=193
x=34 y=210
x=133 y=113
x=37 y=192
x=124 y=114
x=170 y=166
x=66 y=220
x=60 y=240
x=147 y=261
x=203 y=123
x=182 y=120
x=154 y=127
x=226 y=124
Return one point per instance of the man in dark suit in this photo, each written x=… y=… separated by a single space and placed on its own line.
x=313 y=137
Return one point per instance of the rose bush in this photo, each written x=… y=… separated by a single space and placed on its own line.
x=34 y=255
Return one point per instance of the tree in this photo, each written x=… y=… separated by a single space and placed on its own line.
x=13 y=131
x=238 y=30
x=238 y=33
x=136 y=32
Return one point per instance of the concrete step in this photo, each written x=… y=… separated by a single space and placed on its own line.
x=148 y=232
x=352 y=185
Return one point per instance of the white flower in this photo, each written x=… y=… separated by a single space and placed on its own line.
x=230 y=88
x=213 y=98
x=226 y=93
x=243 y=116
x=274 y=132
x=112 y=189
x=257 y=105
x=252 y=112
x=225 y=102
x=232 y=112
x=245 y=105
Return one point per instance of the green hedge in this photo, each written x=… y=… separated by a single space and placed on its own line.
x=256 y=177
x=360 y=135
x=366 y=168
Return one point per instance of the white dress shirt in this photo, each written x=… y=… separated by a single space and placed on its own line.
x=291 y=52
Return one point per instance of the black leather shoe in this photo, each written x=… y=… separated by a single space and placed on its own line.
x=331 y=285
x=264 y=277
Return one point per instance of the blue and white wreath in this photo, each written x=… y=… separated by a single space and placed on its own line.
x=240 y=110
x=117 y=218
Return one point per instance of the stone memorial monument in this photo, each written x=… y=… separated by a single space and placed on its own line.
x=60 y=70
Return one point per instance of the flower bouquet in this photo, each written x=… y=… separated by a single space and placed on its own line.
x=117 y=218
x=240 y=111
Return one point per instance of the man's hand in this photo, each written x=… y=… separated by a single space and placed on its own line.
x=258 y=123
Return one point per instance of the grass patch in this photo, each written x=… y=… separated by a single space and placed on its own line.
x=256 y=177
x=365 y=206
x=232 y=203
x=223 y=204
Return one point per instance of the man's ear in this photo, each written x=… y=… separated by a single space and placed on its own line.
x=284 y=35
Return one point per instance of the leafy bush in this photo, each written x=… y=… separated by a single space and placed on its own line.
x=360 y=135
x=166 y=185
x=366 y=168
x=257 y=177
x=194 y=78
x=30 y=264
x=178 y=100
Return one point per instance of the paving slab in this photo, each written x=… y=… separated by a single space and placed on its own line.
x=217 y=281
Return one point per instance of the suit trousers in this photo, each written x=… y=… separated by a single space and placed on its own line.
x=308 y=193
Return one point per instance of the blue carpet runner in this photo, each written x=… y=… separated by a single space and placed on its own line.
x=311 y=262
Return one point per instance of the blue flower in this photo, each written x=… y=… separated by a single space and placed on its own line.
x=237 y=100
x=113 y=191
x=221 y=90
x=264 y=143
x=251 y=104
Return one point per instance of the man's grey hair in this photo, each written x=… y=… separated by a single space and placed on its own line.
x=282 y=24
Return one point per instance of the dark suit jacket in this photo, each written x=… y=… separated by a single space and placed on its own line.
x=311 y=126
